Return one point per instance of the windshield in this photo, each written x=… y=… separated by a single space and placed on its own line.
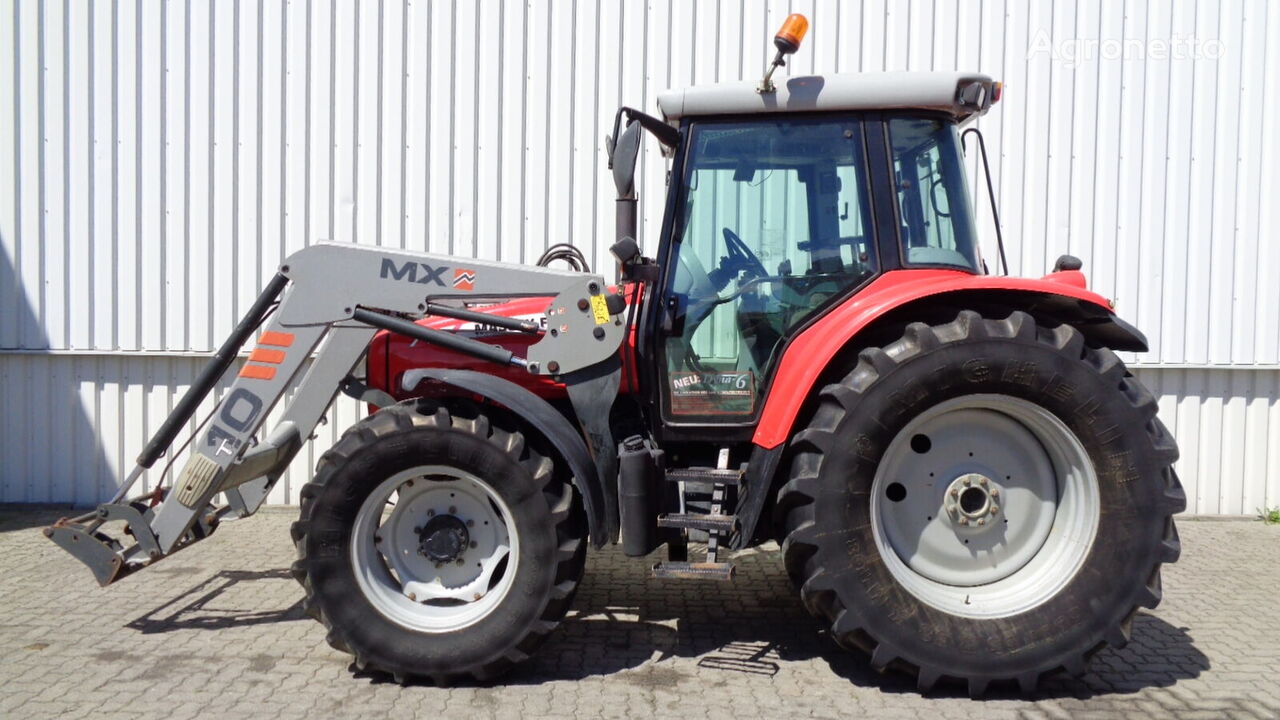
x=933 y=194
x=776 y=222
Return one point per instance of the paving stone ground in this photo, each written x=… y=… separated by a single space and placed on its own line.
x=218 y=629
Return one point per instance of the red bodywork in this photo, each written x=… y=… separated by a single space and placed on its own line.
x=391 y=355
x=810 y=352
x=801 y=364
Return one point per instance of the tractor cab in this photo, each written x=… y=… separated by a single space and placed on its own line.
x=782 y=205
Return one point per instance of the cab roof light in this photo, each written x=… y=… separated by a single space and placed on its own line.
x=788 y=40
x=791 y=34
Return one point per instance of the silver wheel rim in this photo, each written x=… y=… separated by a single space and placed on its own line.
x=434 y=549
x=985 y=506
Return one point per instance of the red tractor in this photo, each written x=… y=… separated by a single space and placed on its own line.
x=965 y=481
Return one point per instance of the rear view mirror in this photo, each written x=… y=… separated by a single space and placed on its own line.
x=624 y=150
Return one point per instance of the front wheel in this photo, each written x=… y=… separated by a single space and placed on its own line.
x=435 y=541
x=986 y=500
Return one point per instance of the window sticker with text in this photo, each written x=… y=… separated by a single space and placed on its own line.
x=713 y=393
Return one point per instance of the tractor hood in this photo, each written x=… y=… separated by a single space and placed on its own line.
x=391 y=355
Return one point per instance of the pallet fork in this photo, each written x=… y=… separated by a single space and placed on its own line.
x=328 y=301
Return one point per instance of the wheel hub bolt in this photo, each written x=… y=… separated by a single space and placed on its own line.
x=460 y=561
x=431 y=513
x=474 y=544
x=970 y=500
x=471 y=523
x=453 y=510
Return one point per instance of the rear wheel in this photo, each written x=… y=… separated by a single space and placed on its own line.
x=985 y=500
x=436 y=542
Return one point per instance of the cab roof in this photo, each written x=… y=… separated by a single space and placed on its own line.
x=961 y=95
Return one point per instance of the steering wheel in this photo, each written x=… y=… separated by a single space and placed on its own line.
x=740 y=254
x=703 y=297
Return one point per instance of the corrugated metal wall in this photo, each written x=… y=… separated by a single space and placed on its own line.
x=88 y=417
x=159 y=158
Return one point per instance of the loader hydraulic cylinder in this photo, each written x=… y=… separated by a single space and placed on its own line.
x=524 y=326
x=208 y=377
x=457 y=343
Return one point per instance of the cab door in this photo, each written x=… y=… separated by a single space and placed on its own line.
x=771 y=221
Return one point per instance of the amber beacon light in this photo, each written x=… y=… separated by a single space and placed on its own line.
x=788 y=40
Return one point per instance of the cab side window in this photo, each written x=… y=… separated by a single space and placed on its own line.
x=933 y=196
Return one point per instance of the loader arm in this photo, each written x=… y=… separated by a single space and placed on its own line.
x=331 y=298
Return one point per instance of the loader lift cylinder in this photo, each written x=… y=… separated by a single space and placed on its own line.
x=208 y=377
x=525 y=326
x=467 y=346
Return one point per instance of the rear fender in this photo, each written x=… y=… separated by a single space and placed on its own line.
x=542 y=418
x=877 y=314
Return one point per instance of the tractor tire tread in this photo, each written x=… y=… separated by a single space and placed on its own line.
x=797 y=498
x=471 y=418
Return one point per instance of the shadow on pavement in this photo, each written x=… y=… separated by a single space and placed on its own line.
x=15 y=517
x=626 y=624
x=759 y=627
x=200 y=608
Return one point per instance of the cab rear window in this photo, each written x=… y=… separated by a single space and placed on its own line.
x=937 y=226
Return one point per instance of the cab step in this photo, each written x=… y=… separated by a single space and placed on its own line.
x=713 y=476
x=677 y=570
x=723 y=524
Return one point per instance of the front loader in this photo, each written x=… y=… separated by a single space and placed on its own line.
x=965 y=481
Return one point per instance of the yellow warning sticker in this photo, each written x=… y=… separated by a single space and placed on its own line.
x=599 y=309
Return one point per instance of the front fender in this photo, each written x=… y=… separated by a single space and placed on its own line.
x=540 y=417
x=902 y=296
